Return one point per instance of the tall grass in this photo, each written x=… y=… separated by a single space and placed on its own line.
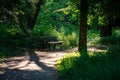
x=69 y=37
x=93 y=37
x=98 y=65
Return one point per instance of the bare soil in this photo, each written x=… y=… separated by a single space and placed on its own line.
x=33 y=65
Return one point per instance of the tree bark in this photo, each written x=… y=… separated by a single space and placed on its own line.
x=82 y=47
x=33 y=17
x=22 y=25
x=107 y=30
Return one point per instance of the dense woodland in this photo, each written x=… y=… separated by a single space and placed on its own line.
x=78 y=23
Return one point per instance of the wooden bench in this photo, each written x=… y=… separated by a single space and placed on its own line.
x=52 y=42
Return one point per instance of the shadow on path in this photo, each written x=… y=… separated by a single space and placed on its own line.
x=34 y=57
x=44 y=72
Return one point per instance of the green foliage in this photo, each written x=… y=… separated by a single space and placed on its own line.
x=3 y=31
x=15 y=13
x=70 y=38
x=116 y=32
x=56 y=18
x=67 y=61
x=47 y=30
x=4 y=55
x=93 y=37
x=59 y=18
x=98 y=66
x=49 y=23
x=111 y=40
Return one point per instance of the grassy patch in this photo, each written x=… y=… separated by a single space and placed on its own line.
x=98 y=66
x=9 y=52
x=5 y=54
x=93 y=37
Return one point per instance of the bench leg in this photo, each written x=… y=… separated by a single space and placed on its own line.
x=61 y=46
x=52 y=47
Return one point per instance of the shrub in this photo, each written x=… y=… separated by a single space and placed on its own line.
x=98 y=66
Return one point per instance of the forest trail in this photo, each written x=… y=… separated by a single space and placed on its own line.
x=34 y=65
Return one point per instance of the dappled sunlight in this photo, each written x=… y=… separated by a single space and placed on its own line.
x=13 y=62
x=33 y=63
x=16 y=74
x=59 y=40
x=97 y=48
x=101 y=64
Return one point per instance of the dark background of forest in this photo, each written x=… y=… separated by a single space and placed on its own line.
x=23 y=23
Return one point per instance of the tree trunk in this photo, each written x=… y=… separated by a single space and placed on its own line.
x=107 y=30
x=82 y=47
x=33 y=17
x=23 y=27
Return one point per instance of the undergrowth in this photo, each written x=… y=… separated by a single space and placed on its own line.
x=98 y=66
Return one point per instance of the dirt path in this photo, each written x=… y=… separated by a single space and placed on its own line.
x=35 y=65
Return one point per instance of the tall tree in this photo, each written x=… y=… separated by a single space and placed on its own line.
x=82 y=5
x=111 y=10
x=82 y=47
x=33 y=16
x=15 y=13
x=22 y=13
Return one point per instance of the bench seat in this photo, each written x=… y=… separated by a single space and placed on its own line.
x=52 y=42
